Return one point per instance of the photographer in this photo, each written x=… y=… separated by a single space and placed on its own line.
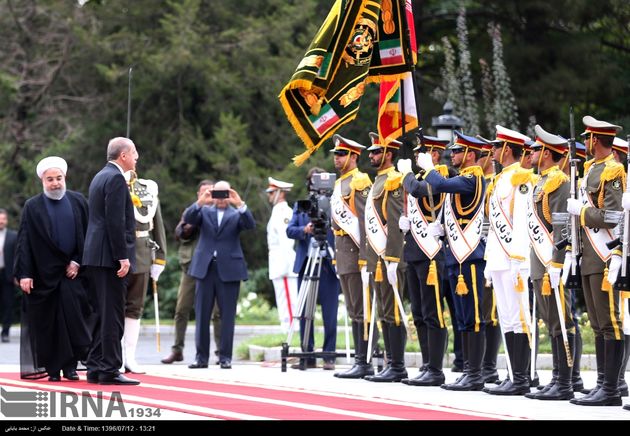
x=303 y=228
x=218 y=265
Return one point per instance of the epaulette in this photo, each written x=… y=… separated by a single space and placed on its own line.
x=613 y=170
x=554 y=180
x=394 y=180
x=360 y=181
x=474 y=170
x=442 y=170
x=588 y=164
x=152 y=187
x=522 y=176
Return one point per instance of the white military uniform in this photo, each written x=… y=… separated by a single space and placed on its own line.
x=282 y=257
x=508 y=239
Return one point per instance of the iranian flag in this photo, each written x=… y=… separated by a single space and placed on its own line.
x=391 y=52
x=390 y=109
x=327 y=118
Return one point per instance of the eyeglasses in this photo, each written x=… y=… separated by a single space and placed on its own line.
x=341 y=153
x=379 y=151
x=457 y=150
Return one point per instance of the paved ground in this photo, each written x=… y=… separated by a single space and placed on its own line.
x=317 y=380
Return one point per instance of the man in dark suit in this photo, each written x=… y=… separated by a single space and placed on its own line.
x=109 y=255
x=218 y=265
x=8 y=238
x=56 y=315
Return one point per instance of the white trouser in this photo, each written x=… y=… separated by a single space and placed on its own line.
x=512 y=306
x=623 y=310
x=286 y=299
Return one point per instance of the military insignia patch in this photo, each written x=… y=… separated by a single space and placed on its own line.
x=523 y=189
x=396 y=193
x=365 y=192
x=616 y=184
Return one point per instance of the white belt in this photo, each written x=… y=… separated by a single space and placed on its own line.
x=142 y=233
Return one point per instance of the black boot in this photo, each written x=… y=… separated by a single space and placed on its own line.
x=599 y=358
x=576 y=377
x=562 y=389
x=396 y=371
x=489 y=366
x=360 y=368
x=463 y=337
x=388 y=353
x=554 y=371
x=433 y=376
x=473 y=380
x=520 y=362
x=509 y=344
x=623 y=386
x=608 y=394
x=423 y=340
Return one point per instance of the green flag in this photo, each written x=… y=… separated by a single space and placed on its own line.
x=325 y=91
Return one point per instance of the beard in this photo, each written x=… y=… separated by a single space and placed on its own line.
x=55 y=194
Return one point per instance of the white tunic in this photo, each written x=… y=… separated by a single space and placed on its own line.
x=281 y=248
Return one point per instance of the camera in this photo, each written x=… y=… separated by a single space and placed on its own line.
x=317 y=206
x=220 y=194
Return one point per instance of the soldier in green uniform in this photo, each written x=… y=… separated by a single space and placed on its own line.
x=601 y=190
x=549 y=196
x=384 y=250
x=150 y=261
x=348 y=224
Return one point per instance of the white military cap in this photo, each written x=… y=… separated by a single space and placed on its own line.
x=512 y=136
x=275 y=185
x=51 y=162
x=549 y=140
x=620 y=145
x=345 y=144
x=376 y=143
x=598 y=127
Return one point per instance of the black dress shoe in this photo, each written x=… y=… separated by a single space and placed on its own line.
x=226 y=365
x=5 y=337
x=197 y=365
x=54 y=377
x=116 y=380
x=173 y=357
x=92 y=377
x=70 y=374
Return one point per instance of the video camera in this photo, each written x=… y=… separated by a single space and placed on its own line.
x=317 y=206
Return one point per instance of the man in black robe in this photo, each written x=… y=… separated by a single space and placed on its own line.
x=56 y=313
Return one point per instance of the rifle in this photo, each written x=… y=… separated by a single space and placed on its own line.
x=571 y=222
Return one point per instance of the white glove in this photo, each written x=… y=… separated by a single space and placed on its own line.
x=435 y=229
x=566 y=268
x=425 y=161
x=156 y=270
x=365 y=276
x=554 y=276
x=574 y=206
x=488 y=276
x=404 y=223
x=515 y=269
x=392 y=267
x=625 y=200
x=613 y=268
x=404 y=166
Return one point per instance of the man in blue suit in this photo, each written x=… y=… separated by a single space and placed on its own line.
x=218 y=265
x=301 y=228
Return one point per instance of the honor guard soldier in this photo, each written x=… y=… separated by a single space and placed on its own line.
x=384 y=250
x=507 y=255
x=281 y=252
x=553 y=301
x=463 y=220
x=489 y=308
x=601 y=190
x=150 y=261
x=424 y=257
x=348 y=224
x=620 y=150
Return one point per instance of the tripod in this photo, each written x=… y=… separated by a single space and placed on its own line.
x=307 y=301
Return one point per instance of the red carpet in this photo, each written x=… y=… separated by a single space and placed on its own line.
x=235 y=401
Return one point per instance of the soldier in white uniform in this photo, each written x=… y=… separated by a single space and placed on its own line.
x=281 y=252
x=150 y=261
x=507 y=254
